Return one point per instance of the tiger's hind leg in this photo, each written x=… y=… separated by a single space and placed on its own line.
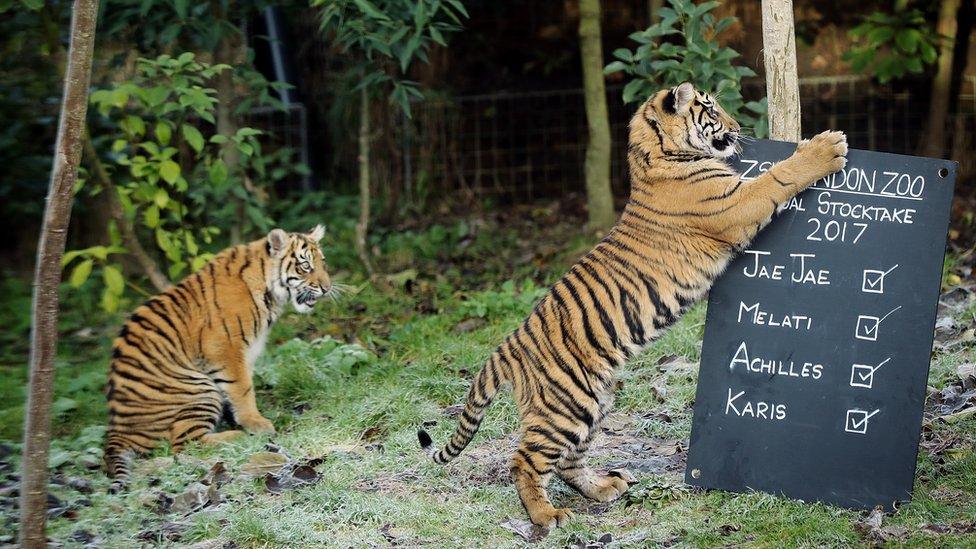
x=532 y=467
x=196 y=419
x=118 y=463
x=573 y=470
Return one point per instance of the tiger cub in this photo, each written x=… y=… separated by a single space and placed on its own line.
x=186 y=351
x=689 y=213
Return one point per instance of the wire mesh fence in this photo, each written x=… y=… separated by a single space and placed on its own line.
x=288 y=127
x=516 y=146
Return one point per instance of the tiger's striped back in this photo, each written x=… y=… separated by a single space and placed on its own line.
x=688 y=214
x=185 y=352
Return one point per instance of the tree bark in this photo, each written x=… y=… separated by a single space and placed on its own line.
x=782 y=86
x=934 y=141
x=599 y=197
x=362 y=227
x=47 y=274
x=128 y=233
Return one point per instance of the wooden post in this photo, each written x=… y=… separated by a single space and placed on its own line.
x=47 y=274
x=782 y=86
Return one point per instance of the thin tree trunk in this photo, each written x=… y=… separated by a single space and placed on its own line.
x=227 y=126
x=362 y=227
x=599 y=197
x=934 y=142
x=779 y=53
x=962 y=138
x=129 y=238
x=653 y=9
x=47 y=275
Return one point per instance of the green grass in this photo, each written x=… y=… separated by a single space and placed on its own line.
x=358 y=406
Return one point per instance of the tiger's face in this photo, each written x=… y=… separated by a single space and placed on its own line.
x=300 y=273
x=687 y=120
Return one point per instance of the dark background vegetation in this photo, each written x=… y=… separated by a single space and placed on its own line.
x=478 y=202
x=506 y=52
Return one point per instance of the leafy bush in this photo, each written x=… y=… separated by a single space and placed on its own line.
x=892 y=45
x=167 y=169
x=694 y=56
x=299 y=370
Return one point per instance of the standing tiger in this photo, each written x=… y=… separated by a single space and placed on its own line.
x=187 y=351
x=689 y=213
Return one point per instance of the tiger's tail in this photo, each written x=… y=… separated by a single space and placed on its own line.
x=482 y=392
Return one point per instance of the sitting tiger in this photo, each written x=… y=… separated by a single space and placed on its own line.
x=185 y=352
x=689 y=213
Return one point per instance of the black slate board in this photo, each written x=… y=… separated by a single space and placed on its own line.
x=844 y=383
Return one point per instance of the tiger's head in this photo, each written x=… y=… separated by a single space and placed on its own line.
x=685 y=120
x=298 y=271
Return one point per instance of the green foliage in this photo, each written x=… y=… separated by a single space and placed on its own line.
x=299 y=370
x=510 y=299
x=683 y=47
x=167 y=167
x=106 y=258
x=379 y=33
x=433 y=242
x=156 y=25
x=30 y=92
x=890 y=46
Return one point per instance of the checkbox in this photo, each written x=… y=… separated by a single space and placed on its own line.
x=857 y=421
x=862 y=375
x=867 y=327
x=872 y=281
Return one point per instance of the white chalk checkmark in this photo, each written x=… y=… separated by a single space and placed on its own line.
x=857 y=421
x=873 y=280
x=862 y=375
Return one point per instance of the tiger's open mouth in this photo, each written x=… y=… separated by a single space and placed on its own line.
x=308 y=299
x=725 y=142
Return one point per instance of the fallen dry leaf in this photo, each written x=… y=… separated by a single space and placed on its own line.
x=195 y=497
x=263 y=463
x=603 y=541
x=469 y=325
x=292 y=476
x=167 y=531
x=372 y=433
x=526 y=530
x=664 y=448
x=617 y=422
x=871 y=528
x=967 y=375
x=674 y=365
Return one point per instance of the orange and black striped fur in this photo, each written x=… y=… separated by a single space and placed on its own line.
x=187 y=351
x=688 y=214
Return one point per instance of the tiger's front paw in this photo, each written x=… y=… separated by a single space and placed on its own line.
x=256 y=424
x=824 y=154
x=550 y=517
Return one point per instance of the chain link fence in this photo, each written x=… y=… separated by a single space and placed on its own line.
x=517 y=146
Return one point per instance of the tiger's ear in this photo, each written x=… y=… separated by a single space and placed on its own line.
x=277 y=240
x=317 y=233
x=678 y=100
